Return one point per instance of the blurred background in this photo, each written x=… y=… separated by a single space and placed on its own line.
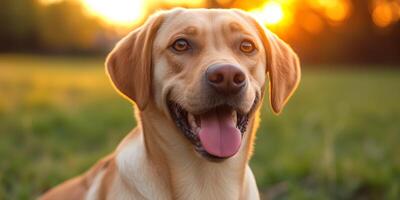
x=338 y=138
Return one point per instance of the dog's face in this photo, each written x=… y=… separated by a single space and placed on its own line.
x=206 y=69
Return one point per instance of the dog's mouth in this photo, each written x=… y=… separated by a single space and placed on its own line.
x=216 y=133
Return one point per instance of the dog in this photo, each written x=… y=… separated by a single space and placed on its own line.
x=197 y=79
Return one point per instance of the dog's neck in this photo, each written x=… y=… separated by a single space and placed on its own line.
x=181 y=170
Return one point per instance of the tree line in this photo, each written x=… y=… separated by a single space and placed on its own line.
x=64 y=28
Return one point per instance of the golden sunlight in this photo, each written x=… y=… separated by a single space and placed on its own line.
x=334 y=10
x=119 y=12
x=47 y=2
x=271 y=13
x=385 y=13
x=337 y=10
x=189 y=3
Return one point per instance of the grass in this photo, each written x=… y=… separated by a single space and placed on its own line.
x=339 y=137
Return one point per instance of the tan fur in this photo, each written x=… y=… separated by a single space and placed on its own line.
x=156 y=161
x=77 y=187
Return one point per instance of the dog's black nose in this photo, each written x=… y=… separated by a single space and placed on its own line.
x=225 y=78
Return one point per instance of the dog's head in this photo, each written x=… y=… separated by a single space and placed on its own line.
x=205 y=69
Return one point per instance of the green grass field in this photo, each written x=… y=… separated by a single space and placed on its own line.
x=339 y=137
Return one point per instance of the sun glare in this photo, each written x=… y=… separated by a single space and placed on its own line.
x=385 y=13
x=117 y=12
x=47 y=2
x=189 y=3
x=270 y=13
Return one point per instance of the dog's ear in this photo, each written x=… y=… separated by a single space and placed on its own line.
x=283 y=66
x=129 y=65
x=283 y=69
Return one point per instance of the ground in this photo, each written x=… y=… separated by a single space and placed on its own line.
x=338 y=138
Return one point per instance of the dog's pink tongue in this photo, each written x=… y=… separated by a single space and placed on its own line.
x=219 y=135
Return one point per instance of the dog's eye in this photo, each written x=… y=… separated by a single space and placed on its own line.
x=247 y=46
x=181 y=45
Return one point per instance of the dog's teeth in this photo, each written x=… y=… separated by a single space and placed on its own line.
x=192 y=121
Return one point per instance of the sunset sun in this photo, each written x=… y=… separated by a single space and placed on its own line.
x=270 y=13
x=117 y=12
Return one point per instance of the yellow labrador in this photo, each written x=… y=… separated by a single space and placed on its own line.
x=198 y=78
